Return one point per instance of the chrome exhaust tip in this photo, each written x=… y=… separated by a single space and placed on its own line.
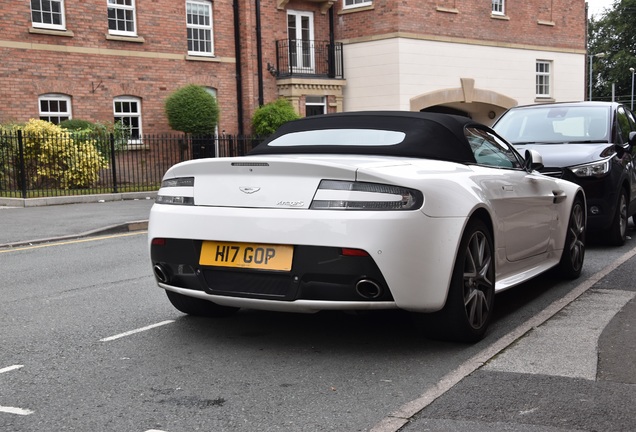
x=161 y=273
x=368 y=289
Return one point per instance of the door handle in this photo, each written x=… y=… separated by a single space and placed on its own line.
x=559 y=196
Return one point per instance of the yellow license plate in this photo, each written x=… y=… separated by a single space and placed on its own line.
x=247 y=255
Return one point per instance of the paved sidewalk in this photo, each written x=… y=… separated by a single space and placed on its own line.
x=25 y=223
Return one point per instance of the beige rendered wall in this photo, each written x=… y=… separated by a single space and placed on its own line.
x=388 y=73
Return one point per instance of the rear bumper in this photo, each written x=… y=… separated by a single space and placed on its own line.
x=317 y=273
x=411 y=257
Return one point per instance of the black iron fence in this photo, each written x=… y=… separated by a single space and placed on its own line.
x=80 y=164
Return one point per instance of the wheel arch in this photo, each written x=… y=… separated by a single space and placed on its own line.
x=483 y=216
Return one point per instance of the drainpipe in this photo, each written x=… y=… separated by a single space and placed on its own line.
x=259 y=53
x=332 y=45
x=239 y=77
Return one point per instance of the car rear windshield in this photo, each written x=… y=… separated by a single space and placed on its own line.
x=336 y=137
x=555 y=124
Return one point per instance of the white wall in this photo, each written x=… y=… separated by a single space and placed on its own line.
x=386 y=74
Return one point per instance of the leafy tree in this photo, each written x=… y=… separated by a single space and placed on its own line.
x=271 y=116
x=614 y=35
x=191 y=109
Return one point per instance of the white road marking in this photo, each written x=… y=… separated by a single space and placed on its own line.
x=10 y=368
x=14 y=410
x=565 y=346
x=397 y=419
x=131 y=332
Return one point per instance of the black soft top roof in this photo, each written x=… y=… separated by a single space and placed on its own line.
x=427 y=135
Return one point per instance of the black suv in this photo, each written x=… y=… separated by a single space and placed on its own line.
x=589 y=143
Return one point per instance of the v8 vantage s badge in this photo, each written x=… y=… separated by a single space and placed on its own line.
x=290 y=203
x=249 y=189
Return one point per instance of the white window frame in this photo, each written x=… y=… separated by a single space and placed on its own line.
x=47 y=114
x=350 y=4
x=311 y=100
x=125 y=8
x=543 y=86
x=131 y=114
x=302 y=53
x=498 y=7
x=200 y=28
x=51 y=3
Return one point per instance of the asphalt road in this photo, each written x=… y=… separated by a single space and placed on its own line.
x=90 y=343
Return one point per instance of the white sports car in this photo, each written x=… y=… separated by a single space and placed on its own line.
x=429 y=213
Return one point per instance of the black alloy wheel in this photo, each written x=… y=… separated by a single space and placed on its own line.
x=617 y=233
x=478 y=280
x=469 y=306
x=574 y=248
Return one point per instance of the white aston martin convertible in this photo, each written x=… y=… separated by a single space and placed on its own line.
x=429 y=213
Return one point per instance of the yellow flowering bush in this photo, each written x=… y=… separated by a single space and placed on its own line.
x=60 y=159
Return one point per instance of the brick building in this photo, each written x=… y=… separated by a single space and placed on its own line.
x=102 y=60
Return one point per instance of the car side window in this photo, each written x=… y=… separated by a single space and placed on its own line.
x=624 y=127
x=490 y=150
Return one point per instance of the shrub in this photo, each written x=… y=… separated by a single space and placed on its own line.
x=191 y=109
x=77 y=125
x=58 y=159
x=271 y=116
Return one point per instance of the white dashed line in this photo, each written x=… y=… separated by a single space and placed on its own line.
x=131 y=332
x=10 y=368
x=14 y=410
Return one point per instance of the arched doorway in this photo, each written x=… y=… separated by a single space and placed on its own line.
x=481 y=105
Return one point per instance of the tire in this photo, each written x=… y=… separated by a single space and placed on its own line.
x=617 y=233
x=470 y=302
x=574 y=248
x=198 y=307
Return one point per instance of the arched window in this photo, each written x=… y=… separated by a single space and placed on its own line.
x=127 y=112
x=55 y=107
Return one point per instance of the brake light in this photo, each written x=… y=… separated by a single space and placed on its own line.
x=354 y=252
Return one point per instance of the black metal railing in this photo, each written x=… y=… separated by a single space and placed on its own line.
x=319 y=59
x=80 y=164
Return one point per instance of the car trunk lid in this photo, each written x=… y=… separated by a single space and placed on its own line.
x=269 y=182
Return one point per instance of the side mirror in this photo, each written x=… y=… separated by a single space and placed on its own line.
x=632 y=138
x=534 y=161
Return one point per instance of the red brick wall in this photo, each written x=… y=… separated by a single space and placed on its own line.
x=93 y=80
x=41 y=65
x=473 y=21
x=273 y=28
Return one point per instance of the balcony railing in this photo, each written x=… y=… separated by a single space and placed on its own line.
x=308 y=58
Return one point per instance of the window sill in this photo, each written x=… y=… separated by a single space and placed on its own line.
x=544 y=99
x=51 y=32
x=134 y=39
x=202 y=58
x=500 y=17
x=447 y=10
x=546 y=23
x=356 y=9
x=135 y=145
